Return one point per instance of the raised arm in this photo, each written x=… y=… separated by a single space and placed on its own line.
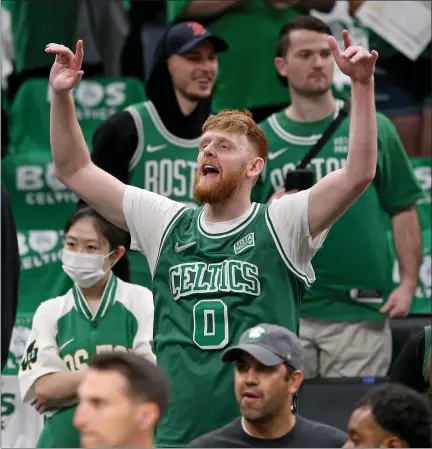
x=72 y=162
x=335 y=193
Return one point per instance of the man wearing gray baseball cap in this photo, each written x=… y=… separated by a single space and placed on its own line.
x=268 y=373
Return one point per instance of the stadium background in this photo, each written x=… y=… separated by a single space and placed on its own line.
x=41 y=204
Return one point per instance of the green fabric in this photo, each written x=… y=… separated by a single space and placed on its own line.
x=422 y=302
x=41 y=203
x=162 y=163
x=355 y=253
x=59 y=431
x=427 y=352
x=193 y=324
x=29 y=35
x=251 y=29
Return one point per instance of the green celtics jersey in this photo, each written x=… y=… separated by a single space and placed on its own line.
x=211 y=282
x=162 y=163
x=356 y=254
x=66 y=334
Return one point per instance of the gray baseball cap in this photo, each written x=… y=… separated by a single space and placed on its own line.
x=270 y=345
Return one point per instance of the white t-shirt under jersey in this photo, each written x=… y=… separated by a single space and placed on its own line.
x=147 y=215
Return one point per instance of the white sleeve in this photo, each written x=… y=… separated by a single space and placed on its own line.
x=42 y=354
x=143 y=310
x=147 y=215
x=290 y=220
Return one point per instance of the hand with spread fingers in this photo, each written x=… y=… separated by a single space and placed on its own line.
x=66 y=71
x=354 y=61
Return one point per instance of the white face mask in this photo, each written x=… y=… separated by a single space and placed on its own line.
x=84 y=269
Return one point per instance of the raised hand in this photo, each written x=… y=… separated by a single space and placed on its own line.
x=354 y=61
x=66 y=71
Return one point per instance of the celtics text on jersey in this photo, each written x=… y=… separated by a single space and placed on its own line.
x=210 y=284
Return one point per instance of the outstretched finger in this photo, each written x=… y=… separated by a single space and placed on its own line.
x=374 y=54
x=347 y=39
x=334 y=47
x=56 y=49
x=79 y=54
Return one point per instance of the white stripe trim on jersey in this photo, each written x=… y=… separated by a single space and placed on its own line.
x=140 y=132
x=237 y=229
x=178 y=141
x=166 y=233
x=290 y=265
x=106 y=300
x=299 y=140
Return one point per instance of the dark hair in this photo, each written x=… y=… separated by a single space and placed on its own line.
x=402 y=411
x=305 y=22
x=146 y=381
x=114 y=235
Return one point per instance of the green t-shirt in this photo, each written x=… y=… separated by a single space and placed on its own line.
x=162 y=163
x=355 y=254
x=422 y=301
x=65 y=335
x=251 y=29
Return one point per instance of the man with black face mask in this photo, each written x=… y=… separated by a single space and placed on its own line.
x=154 y=144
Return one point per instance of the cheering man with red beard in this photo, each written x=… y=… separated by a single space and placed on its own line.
x=231 y=264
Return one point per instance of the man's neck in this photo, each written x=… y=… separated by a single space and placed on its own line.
x=228 y=210
x=186 y=106
x=277 y=427
x=310 y=109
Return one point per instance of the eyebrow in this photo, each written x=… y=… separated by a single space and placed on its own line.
x=86 y=240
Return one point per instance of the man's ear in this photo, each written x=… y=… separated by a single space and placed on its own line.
x=256 y=167
x=280 y=65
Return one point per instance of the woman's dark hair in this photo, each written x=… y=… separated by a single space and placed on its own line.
x=115 y=236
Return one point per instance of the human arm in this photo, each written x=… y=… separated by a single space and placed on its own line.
x=407 y=242
x=73 y=165
x=337 y=191
x=408 y=366
x=398 y=191
x=43 y=376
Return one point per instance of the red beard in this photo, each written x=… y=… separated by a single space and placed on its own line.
x=213 y=192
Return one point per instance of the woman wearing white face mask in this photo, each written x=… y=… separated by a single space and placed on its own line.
x=100 y=313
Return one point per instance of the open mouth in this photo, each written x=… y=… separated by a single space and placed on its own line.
x=250 y=395
x=209 y=170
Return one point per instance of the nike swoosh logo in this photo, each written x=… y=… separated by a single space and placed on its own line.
x=276 y=154
x=65 y=344
x=152 y=149
x=179 y=248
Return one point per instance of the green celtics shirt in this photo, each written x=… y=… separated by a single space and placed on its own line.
x=66 y=334
x=211 y=282
x=356 y=254
x=162 y=163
